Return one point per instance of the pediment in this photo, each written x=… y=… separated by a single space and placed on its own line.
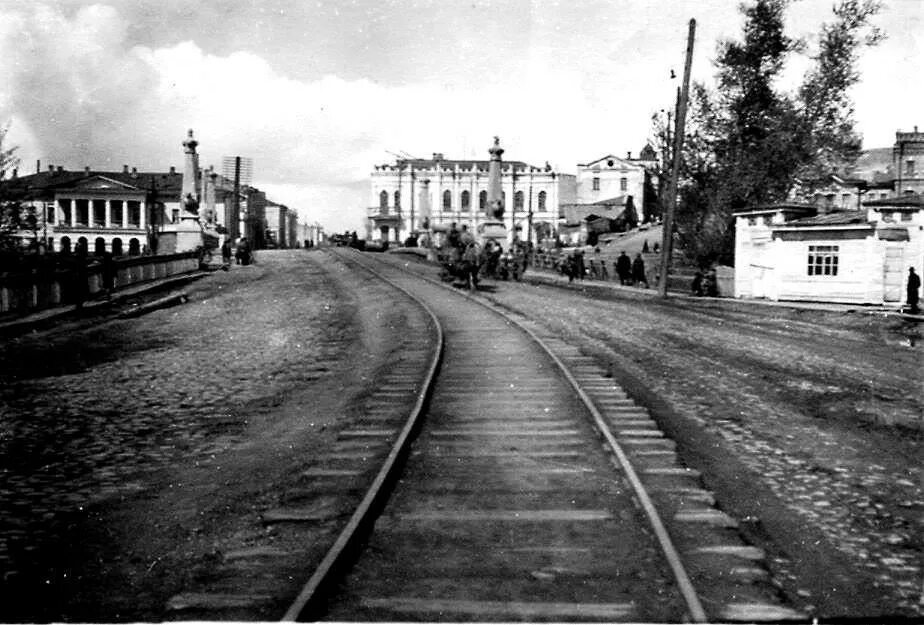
x=610 y=161
x=102 y=183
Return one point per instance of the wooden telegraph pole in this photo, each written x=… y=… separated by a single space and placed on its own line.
x=667 y=238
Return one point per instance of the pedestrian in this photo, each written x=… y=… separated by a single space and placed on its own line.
x=696 y=287
x=579 y=268
x=226 y=253
x=711 y=283
x=638 y=271
x=242 y=253
x=914 y=283
x=624 y=268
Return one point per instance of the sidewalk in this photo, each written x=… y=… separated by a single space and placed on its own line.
x=544 y=276
x=31 y=321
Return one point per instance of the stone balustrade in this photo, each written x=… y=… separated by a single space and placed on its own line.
x=38 y=289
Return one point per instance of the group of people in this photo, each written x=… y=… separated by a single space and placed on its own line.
x=705 y=284
x=631 y=272
x=243 y=252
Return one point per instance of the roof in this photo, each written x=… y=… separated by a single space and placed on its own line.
x=46 y=183
x=449 y=164
x=839 y=218
x=914 y=202
x=786 y=207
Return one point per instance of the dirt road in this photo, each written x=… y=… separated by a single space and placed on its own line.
x=806 y=424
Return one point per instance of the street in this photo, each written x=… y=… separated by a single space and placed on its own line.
x=137 y=455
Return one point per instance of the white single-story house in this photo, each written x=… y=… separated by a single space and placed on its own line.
x=803 y=252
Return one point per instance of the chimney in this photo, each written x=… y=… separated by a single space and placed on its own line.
x=86 y=169
x=51 y=168
x=134 y=172
x=15 y=172
x=60 y=168
x=172 y=170
x=124 y=169
x=629 y=155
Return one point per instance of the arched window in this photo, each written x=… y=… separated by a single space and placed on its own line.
x=447 y=200
x=66 y=245
x=82 y=245
x=99 y=246
x=397 y=199
x=542 y=196
x=134 y=247
x=466 y=201
x=117 y=246
x=518 y=200
x=483 y=200
x=383 y=200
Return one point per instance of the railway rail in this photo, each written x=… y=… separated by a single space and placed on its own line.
x=524 y=484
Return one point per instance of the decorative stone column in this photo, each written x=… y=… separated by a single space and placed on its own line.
x=495 y=207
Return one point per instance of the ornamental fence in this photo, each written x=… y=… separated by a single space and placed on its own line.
x=63 y=279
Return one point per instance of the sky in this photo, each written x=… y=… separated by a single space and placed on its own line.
x=317 y=93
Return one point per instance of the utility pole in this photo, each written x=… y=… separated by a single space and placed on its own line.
x=667 y=238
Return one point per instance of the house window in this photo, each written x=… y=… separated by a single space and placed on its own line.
x=65 y=206
x=542 y=196
x=909 y=168
x=623 y=184
x=447 y=200
x=397 y=199
x=752 y=221
x=115 y=213
x=845 y=200
x=83 y=211
x=822 y=260
x=518 y=200
x=596 y=184
x=99 y=213
x=466 y=201
x=482 y=200
x=906 y=216
x=383 y=201
x=134 y=213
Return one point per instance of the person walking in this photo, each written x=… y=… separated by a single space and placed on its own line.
x=624 y=268
x=914 y=283
x=226 y=253
x=638 y=271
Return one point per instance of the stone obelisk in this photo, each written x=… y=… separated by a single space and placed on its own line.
x=190 y=175
x=495 y=207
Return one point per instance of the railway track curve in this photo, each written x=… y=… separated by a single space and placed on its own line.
x=531 y=488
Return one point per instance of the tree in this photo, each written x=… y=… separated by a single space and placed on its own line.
x=747 y=141
x=14 y=217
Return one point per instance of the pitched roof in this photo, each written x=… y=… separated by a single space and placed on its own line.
x=915 y=201
x=839 y=218
x=45 y=183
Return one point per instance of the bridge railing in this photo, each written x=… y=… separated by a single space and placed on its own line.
x=61 y=281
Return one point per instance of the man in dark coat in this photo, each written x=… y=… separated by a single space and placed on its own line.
x=624 y=268
x=638 y=271
x=914 y=283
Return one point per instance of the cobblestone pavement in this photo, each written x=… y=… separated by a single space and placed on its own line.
x=125 y=448
x=808 y=424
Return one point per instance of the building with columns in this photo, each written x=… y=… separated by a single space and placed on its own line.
x=130 y=212
x=412 y=195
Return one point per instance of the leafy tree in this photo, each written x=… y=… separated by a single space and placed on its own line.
x=747 y=141
x=14 y=217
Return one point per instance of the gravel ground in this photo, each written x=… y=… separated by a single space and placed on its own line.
x=807 y=424
x=133 y=453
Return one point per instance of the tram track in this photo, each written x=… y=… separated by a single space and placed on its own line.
x=535 y=489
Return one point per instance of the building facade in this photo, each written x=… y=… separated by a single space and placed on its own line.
x=798 y=252
x=413 y=195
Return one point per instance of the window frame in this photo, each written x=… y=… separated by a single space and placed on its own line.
x=823 y=260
